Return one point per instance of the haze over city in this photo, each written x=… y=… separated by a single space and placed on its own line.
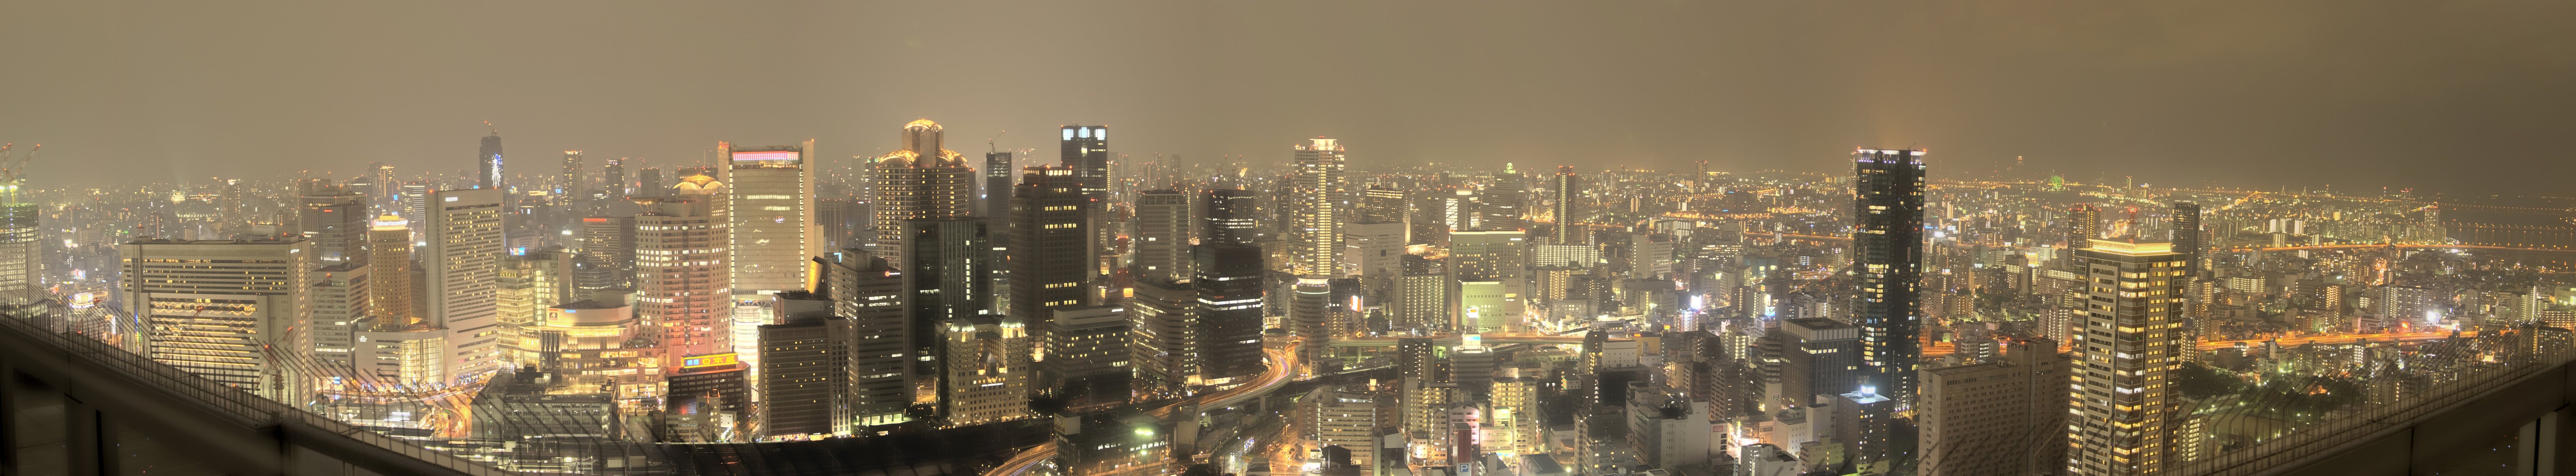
x=2273 y=94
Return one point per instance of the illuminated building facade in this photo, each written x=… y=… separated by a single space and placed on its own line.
x=769 y=202
x=1888 y=259
x=2131 y=343
x=223 y=310
x=919 y=181
x=1315 y=216
x=680 y=264
x=463 y=263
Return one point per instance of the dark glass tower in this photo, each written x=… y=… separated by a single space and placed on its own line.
x=1228 y=277
x=2186 y=234
x=1889 y=261
x=997 y=186
x=1048 y=232
x=1563 y=186
x=489 y=159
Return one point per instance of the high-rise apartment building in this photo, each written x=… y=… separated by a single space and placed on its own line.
x=1888 y=259
x=680 y=268
x=462 y=263
x=231 y=311
x=919 y=181
x=1315 y=216
x=2130 y=345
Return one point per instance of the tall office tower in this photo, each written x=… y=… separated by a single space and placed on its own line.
x=1372 y=249
x=997 y=186
x=489 y=160
x=1315 y=219
x=462 y=263
x=339 y=295
x=2083 y=225
x=2186 y=234
x=987 y=369
x=235 y=215
x=1163 y=342
x=804 y=366
x=613 y=185
x=568 y=185
x=680 y=268
x=1888 y=251
x=947 y=275
x=217 y=308
x=22 y=264
x=869 y=292
x=1085 y=149
x=770 y=202
x=607 y=247
x=389 y=271
x=1049 y=270
x=1386 y=204
x=1562 y=204
x=1997 y=417
x=2136 y=339
x=1821 y=358
x=920 y=181
x=1506 y=200
x=1232 y=217
x=1161 y=236
x=649 y=182
x=334 y=218
x=1486 y=271
x=1228 y=273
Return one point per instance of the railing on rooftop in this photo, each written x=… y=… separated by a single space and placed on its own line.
x=2338 y=436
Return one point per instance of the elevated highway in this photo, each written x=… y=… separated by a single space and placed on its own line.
x=1283 y=365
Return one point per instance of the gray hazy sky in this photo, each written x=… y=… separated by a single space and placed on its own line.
x=2449 y=95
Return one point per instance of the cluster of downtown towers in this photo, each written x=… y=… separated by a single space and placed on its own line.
x=946 y=295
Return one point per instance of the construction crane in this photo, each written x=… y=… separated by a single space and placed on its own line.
x=11 y=167
x=988 y=142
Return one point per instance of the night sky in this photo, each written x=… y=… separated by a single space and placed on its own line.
x=2461 y=96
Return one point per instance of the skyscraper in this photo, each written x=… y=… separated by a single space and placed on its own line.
x=1086 y=151
x=945 y=284
x=334 y=218
x=997 y=186
x=2186 y=234
x=1563 y=207
x=489 y=160
x=1316 y=217
x=869 y=292
x=919 y=181
x=226 y=310
x=389 y=271
x=613 y=181
x=1505 y=200
x=1228 y=279
x=769 y=201
x=22 y=263
x=2133 y=339
x=680 y=264
x=2083 y=225
x=462 y=263
x=569 y=184
x=1048 y=233
x=1161 y=236
x=1888 y=258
